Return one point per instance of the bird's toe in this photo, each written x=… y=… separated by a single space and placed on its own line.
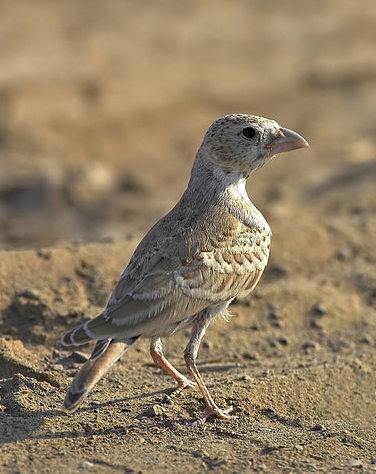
x=183 y=384
x=215 y=412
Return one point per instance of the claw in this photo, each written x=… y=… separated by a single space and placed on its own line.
x=215 y=412
x=182 y=385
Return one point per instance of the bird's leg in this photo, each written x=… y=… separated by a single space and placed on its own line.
x=156 y=352
x=190 y=356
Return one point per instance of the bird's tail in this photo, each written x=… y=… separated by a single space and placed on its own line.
x=105 y=354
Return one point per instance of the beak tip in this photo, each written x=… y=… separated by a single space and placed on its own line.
x=289 y=141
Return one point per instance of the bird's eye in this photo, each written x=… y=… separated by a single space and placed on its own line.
x=249 y=132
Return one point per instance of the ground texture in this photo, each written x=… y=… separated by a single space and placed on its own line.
x=102 y=107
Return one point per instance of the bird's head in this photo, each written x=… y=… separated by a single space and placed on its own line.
x=243 y=142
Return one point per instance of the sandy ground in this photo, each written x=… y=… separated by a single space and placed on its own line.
x=102 y=108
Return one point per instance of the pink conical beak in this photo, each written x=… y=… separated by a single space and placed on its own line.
x=287 y=140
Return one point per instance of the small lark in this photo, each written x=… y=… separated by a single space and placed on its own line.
x=210 y=248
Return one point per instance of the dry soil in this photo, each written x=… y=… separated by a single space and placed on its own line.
x=102 y=108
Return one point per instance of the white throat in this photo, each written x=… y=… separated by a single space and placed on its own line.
x=233 y=183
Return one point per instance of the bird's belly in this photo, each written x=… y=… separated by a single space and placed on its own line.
x=171 y=327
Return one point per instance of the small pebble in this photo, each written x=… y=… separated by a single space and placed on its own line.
x=269 y=412
x=85 y=465
x=315 y=324
x=343 y=254
x=74 y=313
x=310 y=345
x=318 y=427
x=167 y=400
x=367 y=339
x=318 y=309
x=30 y=384
x=30 y=294
x=250 y=355
x=197 y=454
x=283 y=341
x=246 y=378
x=276 y=324
x=44 y=253
x=356 y=463
x=274 y=314
x=57 y=367
x=155 y=410
x=299 y=447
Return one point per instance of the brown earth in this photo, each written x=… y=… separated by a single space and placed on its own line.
x=102 y=107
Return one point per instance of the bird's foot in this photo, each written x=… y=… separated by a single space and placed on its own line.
x=183 y=383
x=215 y=412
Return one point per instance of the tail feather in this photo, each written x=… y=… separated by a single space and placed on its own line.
x=105 y=354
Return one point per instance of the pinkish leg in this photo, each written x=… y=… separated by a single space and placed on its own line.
x=190 y=356
x=212 y=410
x=156 y=352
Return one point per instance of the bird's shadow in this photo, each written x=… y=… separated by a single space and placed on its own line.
x=21 y=424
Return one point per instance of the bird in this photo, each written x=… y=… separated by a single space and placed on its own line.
x=212 y=247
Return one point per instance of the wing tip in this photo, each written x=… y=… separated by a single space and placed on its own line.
x=77 y=336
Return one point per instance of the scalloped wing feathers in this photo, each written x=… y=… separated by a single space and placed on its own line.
x=175 y=278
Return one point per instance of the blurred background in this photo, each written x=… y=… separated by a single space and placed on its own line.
x=104 y=104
